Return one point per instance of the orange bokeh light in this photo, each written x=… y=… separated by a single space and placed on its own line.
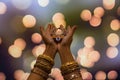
x=36 y=38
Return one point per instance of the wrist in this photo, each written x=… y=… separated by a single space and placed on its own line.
x=50 y=51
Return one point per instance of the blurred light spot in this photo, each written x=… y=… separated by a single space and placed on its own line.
x=89 y=41
x=83 y=70
x=43 y=3
x=17 y=24
x=56 y=73
x=25 y=76
x=95 y=21
x=113 y=39
x=21 y=5
x=94 y=56
x=86 y=76
x=112 y=75
x=2 y=76
x=118 y=11
x=19 y=42
x=29 y=21
x=100 y=75
x=62 y=2
x=86 y=15
x=0 y=40
x=38 y=50
x=99 y=12
x=108 y=4
x=33 y=63
x=3 y=8
x=115 y=24
x=15 y=51
x=18 y=74
x=112 y=52
x=58 y=19
x=36 y=38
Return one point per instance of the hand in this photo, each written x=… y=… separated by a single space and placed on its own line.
x=66 y=41
x=51 y=46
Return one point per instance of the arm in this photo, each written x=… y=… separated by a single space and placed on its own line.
x=44 y=62
x=70 y=69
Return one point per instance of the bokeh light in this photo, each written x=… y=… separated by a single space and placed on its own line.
x=0 y=40
x=29 y=21
x=3 y=8
x=18 y=74
x=58 y=19
x=2 y=76
x=113 y=39
x=43 y=3
x=95 y=21
x=115 y=24
x=94 y=56
x=86 y=76
x=32 y=64
x=112 y=75
x=36 y=38
x=14 y=51
x=89 y=41
x=86 y=15
x=109 y=4
x=21 y=5
x=112 y=52
x=99 y=12
x=19 y=42
x=38 y=50
x=100 y=75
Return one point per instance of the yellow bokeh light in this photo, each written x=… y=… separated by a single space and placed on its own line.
x=36 y=38
x=115 y=24
x=32 y=64
x=43 y=3
x=2 y=76
x=3 y=8
x=112 y=52
x=113 y=39
x=95 y=21
x=29 y=21
x=14 y=51
x=112 y=75
x=89 y=41
x=99 y=12
x=100 y=75
x=38 y=50
x=58 y=19
x=19 y=42
x=86 y=15
x=108 y=4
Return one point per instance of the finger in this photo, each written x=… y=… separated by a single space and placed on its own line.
x=48 y=27
x=74 y=28
x=42 y=30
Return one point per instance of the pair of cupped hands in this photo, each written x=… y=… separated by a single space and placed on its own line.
x=50 y=42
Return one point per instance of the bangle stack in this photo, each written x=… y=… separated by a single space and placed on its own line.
x=43 y=66
x=71 y=69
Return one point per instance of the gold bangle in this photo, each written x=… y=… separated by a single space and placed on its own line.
x=40 y=72
x=47 y=58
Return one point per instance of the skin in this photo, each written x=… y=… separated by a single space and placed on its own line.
x=52 y=48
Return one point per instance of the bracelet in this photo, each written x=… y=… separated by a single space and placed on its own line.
x=45 y=63
x=40 y=72
x=69 y=67
x=47 y=58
